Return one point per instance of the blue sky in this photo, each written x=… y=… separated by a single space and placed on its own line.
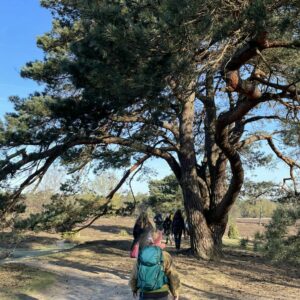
x=21 y=21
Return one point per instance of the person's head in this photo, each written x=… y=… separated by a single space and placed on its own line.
x=178 y=214
x=143 y=219
x=151 y=237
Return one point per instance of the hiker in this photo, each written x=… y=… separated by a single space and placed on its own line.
x=154 y=275
x=142 y=225
x=178 y=227
x=158 y=220
x=167 y=225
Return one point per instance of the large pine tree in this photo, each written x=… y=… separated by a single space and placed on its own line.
x=195 y=83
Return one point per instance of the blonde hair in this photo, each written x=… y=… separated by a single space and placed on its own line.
x=143 y=220
x=148 y=238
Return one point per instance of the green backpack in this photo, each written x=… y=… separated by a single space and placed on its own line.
x=151 y=275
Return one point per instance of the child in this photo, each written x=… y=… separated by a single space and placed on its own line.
x=154 y=275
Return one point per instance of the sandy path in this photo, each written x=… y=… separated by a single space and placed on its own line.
x=74 y=284
x=99 y=269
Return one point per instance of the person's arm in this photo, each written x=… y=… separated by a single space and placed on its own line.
x=135 y=231
x=172 y=274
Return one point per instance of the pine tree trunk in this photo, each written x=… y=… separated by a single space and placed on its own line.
x=205 y=239
x=218 y=231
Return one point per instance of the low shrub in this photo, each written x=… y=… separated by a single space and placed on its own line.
x=233 y=232
x=70 y=236
x=258 y=242
x=244 y=243
x=280 y=246
x=123 y=232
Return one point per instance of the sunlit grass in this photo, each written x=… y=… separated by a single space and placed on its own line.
x=236 y=244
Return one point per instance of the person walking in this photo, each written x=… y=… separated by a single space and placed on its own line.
x=154 y=275
x=158 y=220
x=178 y=227
x=141 y=226
x=167 y=225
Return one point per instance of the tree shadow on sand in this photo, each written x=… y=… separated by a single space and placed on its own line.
x=107 y=246
x=28 y=240
x=95 y=269
x=25 y=297
x=112 y=229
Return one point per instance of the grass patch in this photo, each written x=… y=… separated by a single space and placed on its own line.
x=72 y=237
x=236 y=244
x=18 y=279
x=123 y=233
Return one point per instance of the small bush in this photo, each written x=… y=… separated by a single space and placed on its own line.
x=258 y=241
x=281 y=247
x=233 y=232
x=70 y=236
x=123 y=232
x=244 y=243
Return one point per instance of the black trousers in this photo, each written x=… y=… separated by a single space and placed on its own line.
x=177 y=238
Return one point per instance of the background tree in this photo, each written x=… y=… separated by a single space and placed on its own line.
x=165 y=195
x=258 y=199
x=184 y=81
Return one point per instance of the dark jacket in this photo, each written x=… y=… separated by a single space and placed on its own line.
x=178 y=224
x=158 y=219
x=167 y=225
x=138 y=230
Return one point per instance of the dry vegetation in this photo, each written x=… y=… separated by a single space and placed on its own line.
x=18 y=280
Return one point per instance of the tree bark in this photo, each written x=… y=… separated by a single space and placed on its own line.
x=201 y=236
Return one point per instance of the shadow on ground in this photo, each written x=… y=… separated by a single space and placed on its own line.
x=25 y=297
x=107 y=246
x=112 y=229
x=95 y=269
x=27 y=240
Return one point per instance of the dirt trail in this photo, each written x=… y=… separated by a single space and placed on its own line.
x=74 y=284
x=100 y=268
